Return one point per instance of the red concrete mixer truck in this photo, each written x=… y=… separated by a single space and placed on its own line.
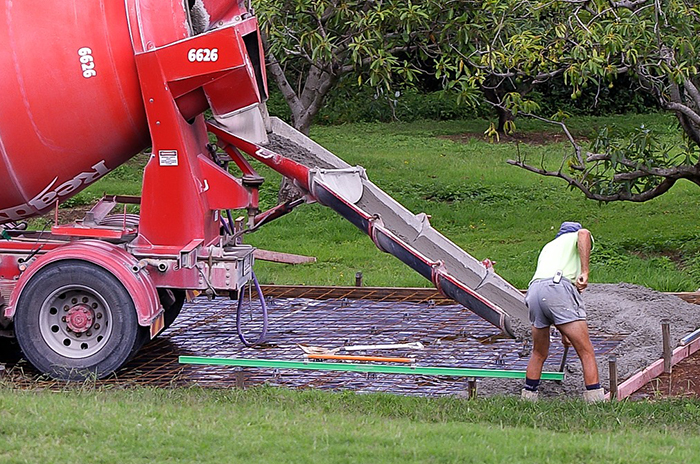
x=85 y=86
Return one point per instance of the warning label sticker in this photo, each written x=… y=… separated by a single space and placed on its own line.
x=167 y=157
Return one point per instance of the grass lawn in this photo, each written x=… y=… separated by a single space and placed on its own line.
x=266 y=425
x=489 y=208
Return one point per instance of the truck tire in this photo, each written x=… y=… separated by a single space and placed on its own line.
x=75 y=320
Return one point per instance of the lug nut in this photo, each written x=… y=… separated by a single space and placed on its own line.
x=96 y=326
x=98 y=315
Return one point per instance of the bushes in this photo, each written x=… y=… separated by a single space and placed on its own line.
x=350 y=103
x=366 y=104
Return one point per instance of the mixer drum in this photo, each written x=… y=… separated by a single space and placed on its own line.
x=70 y=102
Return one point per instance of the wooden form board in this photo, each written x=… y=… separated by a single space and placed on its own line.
x=279 y=257
x=638 y=380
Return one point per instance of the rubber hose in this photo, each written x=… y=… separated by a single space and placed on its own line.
x=230 y=221
x=241 y=294
x=224 y=224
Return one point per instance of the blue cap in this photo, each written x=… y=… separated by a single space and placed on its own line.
x=567 y=227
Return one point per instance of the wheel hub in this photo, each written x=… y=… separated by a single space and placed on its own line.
x=80 y=318
x=75 y=321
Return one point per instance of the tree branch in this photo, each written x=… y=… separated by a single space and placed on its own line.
x=629 y=4
x=683 y=109
x=660 y=189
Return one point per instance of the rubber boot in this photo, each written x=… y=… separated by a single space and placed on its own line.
x=528 y=395
x=594 y=396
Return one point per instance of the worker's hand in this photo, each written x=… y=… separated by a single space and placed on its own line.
x=565 y=340
x=582 y=281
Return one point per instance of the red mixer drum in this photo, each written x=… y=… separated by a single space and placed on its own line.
x=71 y=108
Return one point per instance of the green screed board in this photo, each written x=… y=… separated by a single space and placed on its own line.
x=375 y=368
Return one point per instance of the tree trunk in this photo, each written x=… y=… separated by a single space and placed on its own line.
x=503 y=117
x=494 y=96
x=303 y=107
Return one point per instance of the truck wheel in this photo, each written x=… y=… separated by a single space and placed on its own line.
x=75 y=320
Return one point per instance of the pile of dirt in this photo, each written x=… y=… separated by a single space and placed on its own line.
x=630 y=310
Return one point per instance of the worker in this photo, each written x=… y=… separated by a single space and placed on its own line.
x=554 y=298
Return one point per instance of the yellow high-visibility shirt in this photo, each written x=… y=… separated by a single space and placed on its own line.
x=561 y=254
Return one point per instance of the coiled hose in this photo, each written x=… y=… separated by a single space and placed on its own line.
x=263 y=305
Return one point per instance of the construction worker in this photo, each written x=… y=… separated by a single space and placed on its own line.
x=553 y=297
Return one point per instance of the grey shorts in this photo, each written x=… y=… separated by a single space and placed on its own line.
x=551 y=303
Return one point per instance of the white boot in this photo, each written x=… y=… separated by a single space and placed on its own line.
x=528 y=395
x=594 y=396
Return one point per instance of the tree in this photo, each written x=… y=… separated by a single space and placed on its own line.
x=496 y=52
x=590 y=43
x=311 y=44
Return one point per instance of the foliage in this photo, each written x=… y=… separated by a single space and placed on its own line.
x=507 y=52
x=590 y=43
x=353 y=103
x=311 y=44
x=350 y=102
x=624 y=97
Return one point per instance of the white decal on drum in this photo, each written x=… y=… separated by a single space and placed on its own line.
x=49 y=195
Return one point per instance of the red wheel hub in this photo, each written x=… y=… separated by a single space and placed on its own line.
x=80 y=318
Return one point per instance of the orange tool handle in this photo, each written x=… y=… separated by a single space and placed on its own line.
x=360 y=358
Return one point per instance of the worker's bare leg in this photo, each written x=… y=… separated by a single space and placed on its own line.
x=540 y=351
x=577 y=333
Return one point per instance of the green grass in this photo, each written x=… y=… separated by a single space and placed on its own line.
x=477 y=200
x=275 y=425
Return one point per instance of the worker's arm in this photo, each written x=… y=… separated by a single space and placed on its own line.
x=584 y=251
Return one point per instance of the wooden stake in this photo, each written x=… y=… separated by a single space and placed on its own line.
x=612 y=366
x=668 y=351
x=240 y=379
x=471 y=382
